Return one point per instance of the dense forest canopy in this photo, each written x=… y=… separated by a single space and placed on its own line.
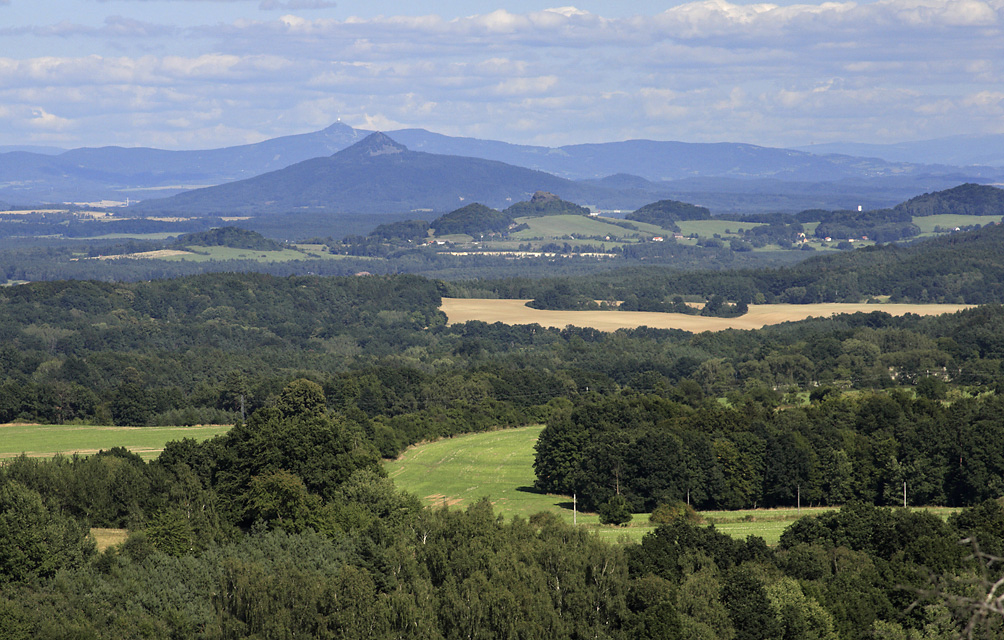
x=287 y=526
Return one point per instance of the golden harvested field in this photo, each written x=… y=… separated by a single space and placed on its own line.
x=516 y=312
x=150 y=255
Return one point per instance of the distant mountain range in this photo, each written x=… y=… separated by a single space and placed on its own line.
x=960 y=151
x=376 y=175
x=721 y=176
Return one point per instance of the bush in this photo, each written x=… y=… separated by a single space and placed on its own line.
x=615 y=511
x=669 y=513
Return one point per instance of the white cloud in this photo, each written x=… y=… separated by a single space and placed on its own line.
x=41 y=119
x=295 y=5
x=522 y=86
x=706 y=70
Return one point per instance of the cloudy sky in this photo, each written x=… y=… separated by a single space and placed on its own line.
x=183 y=74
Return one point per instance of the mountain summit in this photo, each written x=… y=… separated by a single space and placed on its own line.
x=374 y=175
x=375 y=144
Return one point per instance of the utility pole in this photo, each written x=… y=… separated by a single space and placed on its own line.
x=575 y=510
x=904 y=494
x=798 y=489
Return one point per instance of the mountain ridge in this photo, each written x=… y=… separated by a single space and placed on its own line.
x=758 y=178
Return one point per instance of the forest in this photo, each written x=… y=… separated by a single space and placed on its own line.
x=287 y=526
x=961 y=268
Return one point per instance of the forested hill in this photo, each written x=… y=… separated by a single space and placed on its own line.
x=545 y=204
x=233 y=237
x=967 y=199
x=959 y=268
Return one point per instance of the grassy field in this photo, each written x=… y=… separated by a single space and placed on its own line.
x=48 y=440
x=950 y=221
x=516 y=312
x=708 y=228
x=457 y=472
x=205 y=254
x=105 y=538
x=499 y=465
x=558 y=227
x=163 y=235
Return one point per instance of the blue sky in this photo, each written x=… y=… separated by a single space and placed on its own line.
x=182 y=74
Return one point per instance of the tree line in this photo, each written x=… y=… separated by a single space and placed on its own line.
x=287 y=527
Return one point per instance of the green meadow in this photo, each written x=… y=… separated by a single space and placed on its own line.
x=456 y=472
x=45 y=441
x=951 y=221
x=558 y=227
x=498 y=465
x=206 y=254
x=708 y=228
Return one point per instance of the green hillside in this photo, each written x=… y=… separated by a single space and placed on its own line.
x=965 y=199
x=545 y=204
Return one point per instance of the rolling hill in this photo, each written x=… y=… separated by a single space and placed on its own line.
x=722 y=176
x=376 y=175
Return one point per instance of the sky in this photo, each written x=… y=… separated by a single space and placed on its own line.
x=194 y=74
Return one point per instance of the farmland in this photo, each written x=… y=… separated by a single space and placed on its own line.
x=759 y=316
x=43 y=441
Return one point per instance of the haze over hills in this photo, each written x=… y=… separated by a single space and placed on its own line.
x=375 y=175
x=960 y=151
x=664 y=161
x=118 y=173
x=723 y=176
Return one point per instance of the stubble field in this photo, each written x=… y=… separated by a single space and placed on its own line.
x=759 y=316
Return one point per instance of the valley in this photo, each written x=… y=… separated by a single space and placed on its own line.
x=405 y=385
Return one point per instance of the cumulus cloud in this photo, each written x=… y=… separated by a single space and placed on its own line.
x=704 y=70
x=295 y=5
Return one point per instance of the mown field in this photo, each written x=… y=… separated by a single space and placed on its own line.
x=456 y=472
x=759 y=316
x=499 y=465
x=45 y=441
x=577 y=225
x=950 y=221
x=206 y=254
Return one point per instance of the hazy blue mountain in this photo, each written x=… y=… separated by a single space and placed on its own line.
x=619 y=175
x=118 y=173
x=959 y=151
x=667 y=161
x=32 y=148
x=376 y=175
x=218 y=165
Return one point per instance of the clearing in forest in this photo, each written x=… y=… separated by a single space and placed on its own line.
x=759 y=316
x=45 y=441
x=457 y=472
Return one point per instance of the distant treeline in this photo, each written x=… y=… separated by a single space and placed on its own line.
x=961 y=268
